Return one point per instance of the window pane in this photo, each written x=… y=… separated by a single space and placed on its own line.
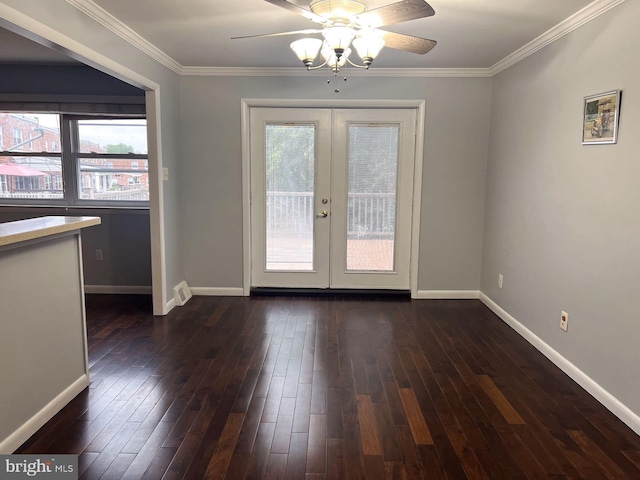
x=290 y=156
x=29 y=132
x=119 y=179
x=116 y=136
x=31 y=177
x=373 y=169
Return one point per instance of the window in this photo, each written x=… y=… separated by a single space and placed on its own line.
x=26 y=170
x=17 y=138
x=94 y=161
x=109 y=154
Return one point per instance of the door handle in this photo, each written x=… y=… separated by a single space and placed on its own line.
x=322 y=214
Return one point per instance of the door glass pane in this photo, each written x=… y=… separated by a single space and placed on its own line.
x=373 y=172
x=290 y=166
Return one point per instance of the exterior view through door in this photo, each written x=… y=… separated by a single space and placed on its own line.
x=331 y=197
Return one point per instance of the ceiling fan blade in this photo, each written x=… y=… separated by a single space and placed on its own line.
x=408 y=43
x=292 y=7
x=395 y=13
x=309 y=31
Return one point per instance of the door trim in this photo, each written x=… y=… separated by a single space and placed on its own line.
x=248 y=103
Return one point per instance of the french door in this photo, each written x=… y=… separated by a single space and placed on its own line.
x=331 y=197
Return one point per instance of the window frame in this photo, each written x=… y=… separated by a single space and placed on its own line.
x=70 y=158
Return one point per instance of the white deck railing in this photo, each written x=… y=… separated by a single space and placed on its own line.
x=114 y=195
x=138 y=194
x=37 y=195
x=368 y=213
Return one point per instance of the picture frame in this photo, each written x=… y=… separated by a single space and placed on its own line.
x=600 y=118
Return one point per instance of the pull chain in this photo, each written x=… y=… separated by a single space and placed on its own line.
x=336 y=90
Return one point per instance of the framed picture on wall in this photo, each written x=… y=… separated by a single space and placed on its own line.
x=600 y=122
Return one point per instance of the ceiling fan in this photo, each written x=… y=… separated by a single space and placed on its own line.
x=350 y=22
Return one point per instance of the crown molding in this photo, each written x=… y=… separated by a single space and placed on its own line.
x=588 y=13
x=348 y=72
x=107 y=20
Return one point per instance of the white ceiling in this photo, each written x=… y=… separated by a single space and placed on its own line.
x=472 y=34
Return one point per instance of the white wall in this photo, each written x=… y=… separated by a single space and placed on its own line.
x=561 y=219
x=67 y=21
x=457 y=126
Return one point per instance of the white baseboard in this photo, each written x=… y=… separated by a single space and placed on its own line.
x=118 y=289
x=616 y=407
x=31 y=426
x=218 y=292
x=447 y=294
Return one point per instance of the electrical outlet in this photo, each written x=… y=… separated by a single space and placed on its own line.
x=98 y=254
x=500 y=279
x=564 y=321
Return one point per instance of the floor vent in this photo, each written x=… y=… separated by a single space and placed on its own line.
x=182 y=293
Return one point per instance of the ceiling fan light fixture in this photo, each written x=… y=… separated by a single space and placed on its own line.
x=307 y=50
x=338 y=38
x=350 y=24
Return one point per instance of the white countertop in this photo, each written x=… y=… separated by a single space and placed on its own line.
x=23 y=230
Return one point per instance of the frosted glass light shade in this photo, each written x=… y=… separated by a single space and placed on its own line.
x=338 y=38
x=332 y=60
x=306 y=49
x=368 y=47
x=326 y=52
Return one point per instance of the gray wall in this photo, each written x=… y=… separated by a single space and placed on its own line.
x=561 y=219
x=62 y=80
x=66 y=19
x=456 y=137
x=125 y=242
x=123 y=236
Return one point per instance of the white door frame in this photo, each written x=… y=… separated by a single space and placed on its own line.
x=248 y=103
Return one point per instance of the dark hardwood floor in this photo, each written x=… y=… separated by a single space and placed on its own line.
x=327 y=388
